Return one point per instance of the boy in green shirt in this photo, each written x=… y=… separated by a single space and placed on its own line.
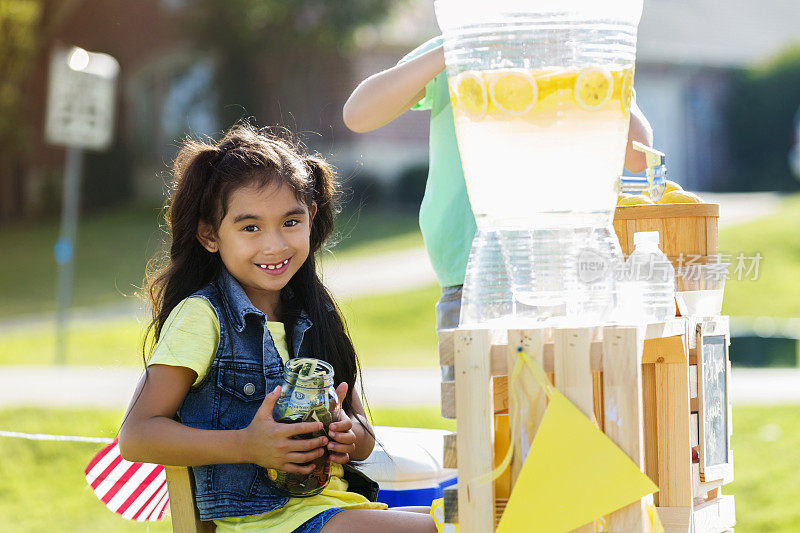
x=419 y=81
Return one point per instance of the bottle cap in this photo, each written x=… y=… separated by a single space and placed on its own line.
x=645 y=237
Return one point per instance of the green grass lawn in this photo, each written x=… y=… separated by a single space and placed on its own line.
x=43 y=488
x=388 y=330
x=114 y=248
x=777 y=239
x=42 y=485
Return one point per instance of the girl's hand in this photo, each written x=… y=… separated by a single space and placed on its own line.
x=269 y=443
x=343 y=439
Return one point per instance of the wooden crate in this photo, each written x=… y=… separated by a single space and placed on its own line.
x=688 y=229
x=644 y=371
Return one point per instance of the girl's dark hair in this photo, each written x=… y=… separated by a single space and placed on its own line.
x=205 y=175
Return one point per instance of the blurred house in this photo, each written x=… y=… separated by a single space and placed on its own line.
x=162 y=89
x=687 y=52
x=166 y=90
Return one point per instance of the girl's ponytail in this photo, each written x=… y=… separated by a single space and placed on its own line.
x=190 y=266
x=324 y=194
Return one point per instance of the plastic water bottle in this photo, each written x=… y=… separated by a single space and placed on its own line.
x=487 y=293
x=647 y=290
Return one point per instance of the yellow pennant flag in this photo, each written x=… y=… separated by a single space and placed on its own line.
x=572 y=475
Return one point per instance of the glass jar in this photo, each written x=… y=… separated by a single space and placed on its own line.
x=307 y=394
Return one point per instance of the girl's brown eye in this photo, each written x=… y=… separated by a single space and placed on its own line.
x=291 y=223
x=251 y=228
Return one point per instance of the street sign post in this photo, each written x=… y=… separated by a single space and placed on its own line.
x=81 y=102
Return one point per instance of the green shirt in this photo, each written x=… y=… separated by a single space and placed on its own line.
x=445 y=217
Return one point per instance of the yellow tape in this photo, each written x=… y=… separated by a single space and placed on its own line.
x=541 y=378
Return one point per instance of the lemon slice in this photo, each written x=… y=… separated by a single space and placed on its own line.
x=514 y=92
x=593 y=88
x=453 y=95
x=626 y=91
x=472 y=95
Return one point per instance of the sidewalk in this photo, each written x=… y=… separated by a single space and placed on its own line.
x=112 y=388
x=391 y=272
x=346 y=278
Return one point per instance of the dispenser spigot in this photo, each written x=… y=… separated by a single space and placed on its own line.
x=655 y=182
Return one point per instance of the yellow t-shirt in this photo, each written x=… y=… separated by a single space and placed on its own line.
x=189 y=338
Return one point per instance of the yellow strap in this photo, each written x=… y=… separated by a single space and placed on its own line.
x=541 y=378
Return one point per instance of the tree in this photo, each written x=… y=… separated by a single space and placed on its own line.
x=19 y=25
x=761 y=111
x=273 y=40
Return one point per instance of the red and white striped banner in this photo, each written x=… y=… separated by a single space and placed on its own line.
x=137 y=491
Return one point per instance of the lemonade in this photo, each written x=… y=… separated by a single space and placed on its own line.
x=554 y=137
x=541 y=98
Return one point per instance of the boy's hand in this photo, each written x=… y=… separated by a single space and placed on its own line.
x=343 y=440
x=270 y=444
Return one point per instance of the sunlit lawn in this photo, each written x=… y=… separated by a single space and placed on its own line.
x=777 y=239
x=42 y=485
x=43 y=489
x=114 y=247
x=388 y=330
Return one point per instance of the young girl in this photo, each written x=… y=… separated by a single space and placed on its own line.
x=239 y=296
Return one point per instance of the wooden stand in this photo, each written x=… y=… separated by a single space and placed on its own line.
x=634 y=380
x=685 y=230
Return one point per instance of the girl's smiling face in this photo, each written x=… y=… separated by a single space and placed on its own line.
x=263 y=240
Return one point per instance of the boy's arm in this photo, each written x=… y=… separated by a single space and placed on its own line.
x=384 y=96
x=640 y=131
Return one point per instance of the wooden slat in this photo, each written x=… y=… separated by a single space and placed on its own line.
x=531 y=399
x=597 y=393
x=185 y=518
x=573 y=373
x=715 y=515
x=711 y=235
x=446 y=346
x=674 y=434
x=572 y=367
x=665 y=350
x=630 y=212
x=451 y=506
x=622 y=388
x=449 y=457
x=498 y=359
x=499 y=401
x=450 y=495
x=475 y=430
x=670 y=239
x=621 y=229
x=675 y=519
x=669 y=328
x=502 y=438
x=629 y=230
x=700 y=487
x=650 y=224
x=698 y=246
x=649 y=413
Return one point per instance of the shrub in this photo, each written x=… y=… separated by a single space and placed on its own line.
x=760 y=116
x=410 y=185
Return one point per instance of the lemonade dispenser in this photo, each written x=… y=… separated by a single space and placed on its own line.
x=541 y=95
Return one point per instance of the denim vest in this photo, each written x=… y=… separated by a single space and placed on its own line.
x=245 y=368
